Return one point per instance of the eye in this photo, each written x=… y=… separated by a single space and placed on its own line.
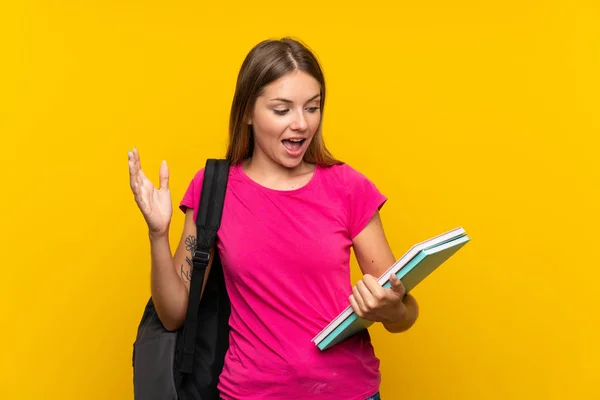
x=281 y=112
x=313 y=109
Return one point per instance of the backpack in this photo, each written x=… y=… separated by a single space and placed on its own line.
x=185 y=364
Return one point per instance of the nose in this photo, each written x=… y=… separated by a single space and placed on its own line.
x=299 y=122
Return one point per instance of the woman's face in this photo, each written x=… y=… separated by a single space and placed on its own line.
x=286 y=117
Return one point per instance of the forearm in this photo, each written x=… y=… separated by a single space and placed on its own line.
x=169 y=293
x=409 y=317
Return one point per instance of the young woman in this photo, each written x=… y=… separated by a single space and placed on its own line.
x=291 y=214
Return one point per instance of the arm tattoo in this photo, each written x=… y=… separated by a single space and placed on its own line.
x=186 y=275
x=190 y=245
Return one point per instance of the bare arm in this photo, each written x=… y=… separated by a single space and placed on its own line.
x=395 y=309
x=372 y=249
x=170 y=276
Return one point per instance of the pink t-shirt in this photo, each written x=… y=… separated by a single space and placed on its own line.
x=286 y=261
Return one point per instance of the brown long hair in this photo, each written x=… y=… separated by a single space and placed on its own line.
x=265 y=63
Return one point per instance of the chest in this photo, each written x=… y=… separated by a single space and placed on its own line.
x=283 y=237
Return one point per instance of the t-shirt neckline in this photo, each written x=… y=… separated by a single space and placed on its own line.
x=252 y=182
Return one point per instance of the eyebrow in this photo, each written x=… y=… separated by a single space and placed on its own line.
x=290 y=101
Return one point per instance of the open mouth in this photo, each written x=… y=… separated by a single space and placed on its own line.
x=293 y=144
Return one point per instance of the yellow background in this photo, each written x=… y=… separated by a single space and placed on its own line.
x=473 y=113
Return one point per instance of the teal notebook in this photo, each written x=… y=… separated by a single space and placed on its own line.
x=420 y=261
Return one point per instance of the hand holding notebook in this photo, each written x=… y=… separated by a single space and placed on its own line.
x=371 y=301
x=412 y=268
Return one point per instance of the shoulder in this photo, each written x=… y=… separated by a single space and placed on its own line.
x=198 y=177
x=194 y=188
x=192 y=193
x=195 y=184
x=360 y=197
x=345 y=175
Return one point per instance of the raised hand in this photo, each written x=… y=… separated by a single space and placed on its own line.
x=154 y=203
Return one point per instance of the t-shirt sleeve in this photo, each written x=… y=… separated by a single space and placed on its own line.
x=363 y=200
x=191 y=197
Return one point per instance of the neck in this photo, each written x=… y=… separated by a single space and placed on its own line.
x=260 y=165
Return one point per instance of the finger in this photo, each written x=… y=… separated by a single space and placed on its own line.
x=164 y=176
x=131 y=172
x=136 y=154
x=366 y=296
x=138 y=179
x=141 y=177
x=135 y=183
x=136 y=188
x=356 y=307
x=397 y=285
x=133 y=162
x=358 y=299
x=142 y=188
x=374 y=287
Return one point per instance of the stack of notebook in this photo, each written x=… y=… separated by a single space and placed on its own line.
x=414 y=266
